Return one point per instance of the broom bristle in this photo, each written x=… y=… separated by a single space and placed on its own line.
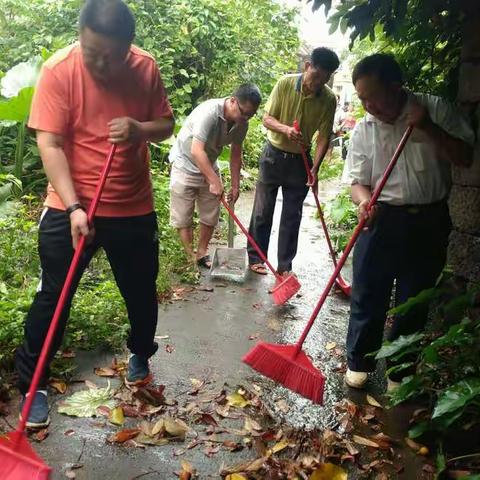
x=285 y=290
x=19 y=461
x=294 y=372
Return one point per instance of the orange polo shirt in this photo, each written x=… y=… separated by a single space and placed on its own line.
x=70 y=103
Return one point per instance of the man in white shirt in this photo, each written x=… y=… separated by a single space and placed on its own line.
x=195 y=178
x=406 y=240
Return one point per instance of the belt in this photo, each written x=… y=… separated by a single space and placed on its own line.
x=415 y=209
x=283 y=153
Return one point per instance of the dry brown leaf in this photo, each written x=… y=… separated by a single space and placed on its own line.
x=282 y=405
x=187 y=470
x=149 y=440
x=70 y=474
x=206 y=419
x=41 y=435
x=251 y=425
x=371 y=401
x=105 y=372
x=210 y=450
x=236 y=476
x=232 y=446
x=247 y=467
x=330 y=346
x=176 y=427
x=123 y=435
x=365 y=441
x=58 y=385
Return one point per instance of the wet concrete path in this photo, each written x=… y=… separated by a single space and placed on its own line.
x=208 y=332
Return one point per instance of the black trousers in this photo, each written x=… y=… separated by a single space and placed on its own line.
x=405 y=244
x=286 y=170
x=131 y=246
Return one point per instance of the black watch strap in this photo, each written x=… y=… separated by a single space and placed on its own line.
x=73 y=207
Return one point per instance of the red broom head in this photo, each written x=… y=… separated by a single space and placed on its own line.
x=286 y=289
x=18 y=460
x=282 y=364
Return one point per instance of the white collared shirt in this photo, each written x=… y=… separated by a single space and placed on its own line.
x=420 y=176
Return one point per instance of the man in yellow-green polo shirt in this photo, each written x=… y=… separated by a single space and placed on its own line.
x=306 y=98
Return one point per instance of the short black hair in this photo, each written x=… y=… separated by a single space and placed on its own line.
x=111 y=18
x=324 y=58
x=382 y=65
x=248 y=92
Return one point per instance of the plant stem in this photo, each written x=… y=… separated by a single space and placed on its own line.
x=463 y=457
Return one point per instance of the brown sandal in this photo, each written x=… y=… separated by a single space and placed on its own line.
x=259 y=268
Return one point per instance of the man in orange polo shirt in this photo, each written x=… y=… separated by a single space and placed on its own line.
x=99 y=91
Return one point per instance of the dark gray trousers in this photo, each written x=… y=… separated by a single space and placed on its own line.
x=286 y=170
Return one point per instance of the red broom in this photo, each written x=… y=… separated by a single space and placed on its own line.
x=286 y=287
x=340 y=281
x=288 y=364
x=18 y=460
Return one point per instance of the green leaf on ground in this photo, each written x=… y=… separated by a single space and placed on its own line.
x=86 y=402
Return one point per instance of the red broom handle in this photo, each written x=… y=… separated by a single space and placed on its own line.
x=356 y=233
x=250 y=238
x=317 y=201
x=42 y=360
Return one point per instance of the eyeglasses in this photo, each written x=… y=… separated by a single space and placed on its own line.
x=243 y=113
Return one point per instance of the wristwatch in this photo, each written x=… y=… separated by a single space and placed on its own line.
x=74 y=206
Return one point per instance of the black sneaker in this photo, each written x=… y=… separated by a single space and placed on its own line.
x=138 y=370
x=39 y=417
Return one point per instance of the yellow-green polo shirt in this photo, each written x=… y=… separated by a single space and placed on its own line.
x=314 y=112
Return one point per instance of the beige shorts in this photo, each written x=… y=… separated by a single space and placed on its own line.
x=187 y=190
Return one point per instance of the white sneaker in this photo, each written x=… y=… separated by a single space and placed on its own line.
x=392 y=385
x=356 y=379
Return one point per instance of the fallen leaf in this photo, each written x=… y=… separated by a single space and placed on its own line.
x=232 y=446
x=279 y=446
x=211 y=450
x=162 y=337
x=373 y=402
x=417 y=447
x=105 y=372
x=187 y=471
x=123 y=435
x=330 y=346
x=236 y=476
x=282 y=406
x=251 y=425
x=203 y=288
x=328 y=471
x=116 y=416
x=41 y=435
x=70 y=474
x=207 y=419
x=69 y=433
x=365 y=441
x=68 y=354
x=169 y=348
x=197 y=385
x=247 y=467
x=254 y=336
x=237 y=400
x=86 y=402
x=257 y=306
x=58 y=385
x=175 y=427
x=148 y=440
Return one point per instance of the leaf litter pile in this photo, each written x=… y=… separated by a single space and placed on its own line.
x=225 y=420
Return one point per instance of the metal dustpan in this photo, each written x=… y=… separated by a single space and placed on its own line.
x=230 y=263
